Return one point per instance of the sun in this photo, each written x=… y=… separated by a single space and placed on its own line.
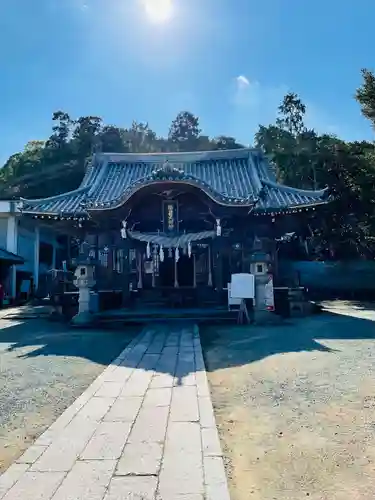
x=158 y=11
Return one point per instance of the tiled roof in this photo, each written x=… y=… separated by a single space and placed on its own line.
x=241 y=177
x=10 y=257
x=67 y=203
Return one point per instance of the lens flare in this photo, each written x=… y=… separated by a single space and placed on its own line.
x=158 y=11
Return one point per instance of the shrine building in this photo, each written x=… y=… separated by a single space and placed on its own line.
x=176 y=224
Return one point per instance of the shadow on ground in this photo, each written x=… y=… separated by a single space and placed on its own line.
x=246 y=344
x=243 y=344
x=294 y=405
x=42 y=338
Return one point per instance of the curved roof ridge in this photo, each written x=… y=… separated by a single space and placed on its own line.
x=176 y=156
x=288 y=189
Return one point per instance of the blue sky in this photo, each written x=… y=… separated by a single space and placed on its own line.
x=228 y=61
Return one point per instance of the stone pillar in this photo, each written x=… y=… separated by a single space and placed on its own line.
x=12 y=246
x=36 y=258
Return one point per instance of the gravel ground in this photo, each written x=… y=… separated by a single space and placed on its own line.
x=44 y=367
x=295 y=405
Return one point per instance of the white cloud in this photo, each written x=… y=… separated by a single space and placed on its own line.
x=242 y=82
x=251 y=94
x=254 y=103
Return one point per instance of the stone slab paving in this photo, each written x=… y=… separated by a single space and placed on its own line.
x=144 y=430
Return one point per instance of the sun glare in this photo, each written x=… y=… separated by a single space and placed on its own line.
x=158 y=11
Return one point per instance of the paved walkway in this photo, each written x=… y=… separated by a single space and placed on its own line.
x=144 y=430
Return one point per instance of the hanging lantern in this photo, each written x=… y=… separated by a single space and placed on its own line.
x=218 y=227
x=123 y=230
x=170 y=251
x=189 y=249
x=161 y=253
x=148 y=250
x=177 y=254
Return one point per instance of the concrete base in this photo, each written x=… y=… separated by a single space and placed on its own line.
x=83 y=319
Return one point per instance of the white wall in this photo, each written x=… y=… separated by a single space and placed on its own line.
x=24 y=243
x=5 y=206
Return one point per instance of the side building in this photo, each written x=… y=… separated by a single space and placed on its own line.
x=28 y=251
x=179 y=222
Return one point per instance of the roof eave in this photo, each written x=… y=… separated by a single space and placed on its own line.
x=56 y=215
x=291 y=208
x=7 y=256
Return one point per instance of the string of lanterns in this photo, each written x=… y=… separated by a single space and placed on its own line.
x=82 y=218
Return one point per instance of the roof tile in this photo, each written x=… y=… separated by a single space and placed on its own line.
x=234 y=177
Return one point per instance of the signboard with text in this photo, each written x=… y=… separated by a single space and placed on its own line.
x=242 y=286
x=170 y=216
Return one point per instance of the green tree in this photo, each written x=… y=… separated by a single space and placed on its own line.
x=292 y=146
x=184 y=131
x=365 y=95
x=61 y=130
x=291 y=114
x=226 y=142
x=140 y=138
x=86 y=135
x=112 y=140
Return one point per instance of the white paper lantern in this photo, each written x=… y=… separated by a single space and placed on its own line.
x=161 y=253
x=123 y=230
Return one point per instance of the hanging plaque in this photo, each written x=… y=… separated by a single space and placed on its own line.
x=170 y=216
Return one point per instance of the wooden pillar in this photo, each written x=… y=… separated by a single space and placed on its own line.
x=194 y=271
x=140 y=261
x=175 y=273
x=69 y=251
x=125 y=271
x=36 y=258
x=154 y=260
x=209 y=266
x=96 y=247
x=218 y=249
x=110 y=263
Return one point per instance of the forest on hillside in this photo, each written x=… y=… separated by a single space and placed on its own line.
x=302 y=157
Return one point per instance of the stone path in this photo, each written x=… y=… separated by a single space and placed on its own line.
x=144 y=430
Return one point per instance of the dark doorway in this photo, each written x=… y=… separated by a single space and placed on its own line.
x=185 y=271
x=166 y=272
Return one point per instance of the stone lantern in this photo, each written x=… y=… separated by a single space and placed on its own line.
x=259 y=267
x=84 y=280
